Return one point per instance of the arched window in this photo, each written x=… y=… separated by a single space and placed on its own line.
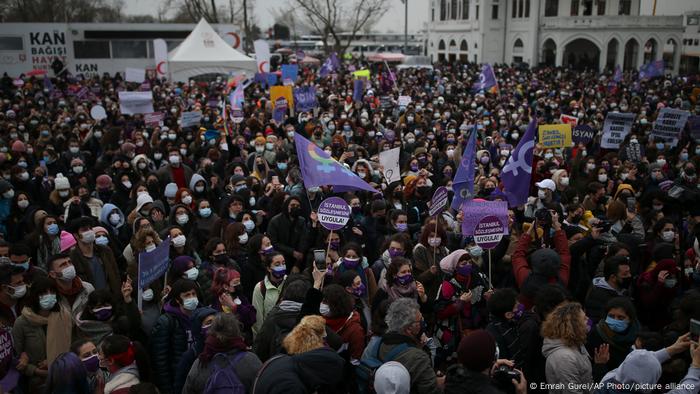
x=518 y=44
x=463 y=46
x=441 y=45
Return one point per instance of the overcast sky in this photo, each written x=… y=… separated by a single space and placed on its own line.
x=394 y=19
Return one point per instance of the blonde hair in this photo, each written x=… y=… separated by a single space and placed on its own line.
x=306 y=336
x=564 y=323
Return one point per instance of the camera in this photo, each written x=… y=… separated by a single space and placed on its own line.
x=543 y=217
x=603 y=225
x=504 y=374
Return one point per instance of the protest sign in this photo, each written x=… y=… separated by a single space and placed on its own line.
x=694 y=127
x=237 y=115
x=389 y=159
x=489 y=232
x=333 y=213
x=152 y=265
x=475 y=210
x=153 y=119
x=361 y=74
x=98 y=112
x=582 y=134
x=669 y=124
x=191 y=118
x=404 y=101
x=137 y=75
x=280 y=109
x=131 y=103
x=554 y=135
x=385 y=102
x=439 y=201
x=281 y=91
x=568 y=119
x=305 y=98
x=616 y=127
x=358 y=89
x=289 y=74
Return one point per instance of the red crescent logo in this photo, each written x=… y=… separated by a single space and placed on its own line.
x=260 y=67
x=158 y=70
x=237 y=39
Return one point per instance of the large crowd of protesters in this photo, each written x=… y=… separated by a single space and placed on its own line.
x=595 y=287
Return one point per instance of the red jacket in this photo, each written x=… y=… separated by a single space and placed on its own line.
x=351 y=331
x=521 y=268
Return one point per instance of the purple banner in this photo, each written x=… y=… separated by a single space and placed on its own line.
x=439 y=201
x=582 y=134
x=333 y=213
x=305 y=98
x=476 y=210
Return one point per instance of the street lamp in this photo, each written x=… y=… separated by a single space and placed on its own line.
x=405 y=27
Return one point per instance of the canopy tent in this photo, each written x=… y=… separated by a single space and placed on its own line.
x=205 y=52
x=387 y=57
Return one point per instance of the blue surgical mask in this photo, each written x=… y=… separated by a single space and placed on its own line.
x=190 y=304
x=282 y=166
x=476 y=251
x=402 y=227
x=24 y=266
x=47 y=301
x=52 y=229
x=205 y=212
x=279 y=272
x=617 y=325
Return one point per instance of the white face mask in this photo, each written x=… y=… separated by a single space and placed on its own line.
x=602 y=178
x=150 y=248
x=23 y=203
x=243 y=238
x=19 y=292
x=179 y=241
x=68 y=273
x=191 y=273
x=187 y=200
x=564 y=181
x=182 y=219
x=668 y=236
x=147 y=295
x=541 y=194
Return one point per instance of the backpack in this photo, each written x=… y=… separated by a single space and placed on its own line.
x=369 y=365
x=223 y=378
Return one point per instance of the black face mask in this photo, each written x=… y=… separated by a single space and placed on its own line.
x=294 y=212
x=398 y=195
x=624 y=282
x=576 y=219
x=424 y=190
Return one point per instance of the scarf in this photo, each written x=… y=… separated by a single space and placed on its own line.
x=213 y=346
x=397 y=291
x=622 y=340
x=76 y=287
x=58 y=331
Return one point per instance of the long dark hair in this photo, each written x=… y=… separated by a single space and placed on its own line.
x=67 y=374
x=40 y=286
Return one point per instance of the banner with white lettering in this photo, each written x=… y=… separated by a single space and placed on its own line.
x=669 y=124
x=131 y=103
x=616 y=127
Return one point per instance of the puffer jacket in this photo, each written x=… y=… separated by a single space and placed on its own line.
x=303 y=373
x=168 y=342
x=568 y=366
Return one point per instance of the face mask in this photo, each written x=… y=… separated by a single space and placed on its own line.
x=174 y=159
x=88 y=237
x=324 y=309
x=671 y=282
x=590 y=166
x=114 y=219
x=102 y=240
x=47 y=301
x=434 y=242
x=404 y=280
x=63 y=193
x=243 y=238
x=172 y=137
x=294 y=212
x=395 y=253
x=103 y=314
x=616 y=325
x=269 y=146
x=657 y=207
x=269 y=250
x=9 y=194
x=259 y=149
x=518 y=314
x=150 y=248
x=282 y=166
x=401 y=227
x=204 y=212
x=23 y=204
x=541 y=194
x=52 y=229
x=602 y=178
x=18 y=292
x=179 y=241
x=279 y=272
x=484 y=160
x=668 y=236
x=191 y=303
x=187 y=200
x=191 y=273
x=78 y=169
x=98 y=134
x=464 y=270
x=476 y=251
x=351 y=263
x=74 y=149
x=661 y=162
x=249 y=225
x=68 y=273
x=182 y=219
x=92 y=363
x=548 y=156
x=147 y=295
x=157 y=156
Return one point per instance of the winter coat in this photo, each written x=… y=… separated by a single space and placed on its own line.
x=598 y=296
x=459 y=380
x=287 y=236
x=279 y=322
x=168 y=341
x=620 y=344
x=264 y=304
x=415 y=360
x=246 y=369
x=109 y=265
x=350 y=330
x=304 y=373
x=566 y=365
x=121 y=380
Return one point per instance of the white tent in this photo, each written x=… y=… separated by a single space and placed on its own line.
x=205 y=52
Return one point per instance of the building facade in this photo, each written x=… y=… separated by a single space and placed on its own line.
x=580 y=34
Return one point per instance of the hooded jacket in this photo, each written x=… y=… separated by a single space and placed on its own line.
x=308 y=372
x=598 y=296
x=567 y=365
x=415 y=360
x=168 y=342
x=287 y=234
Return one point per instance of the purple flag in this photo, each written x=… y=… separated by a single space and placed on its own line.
x=651 y=70
x=305 y=98
x=260 y=78
x=517 y=172
x=289 y=73
x=330 y=65
x=487 y=79
x=319 y=169
x=463 y=182
x=271 y=79
x=617 y=77
x=358 y=90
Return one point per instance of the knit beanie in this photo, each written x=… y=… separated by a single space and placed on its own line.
x=477 y=351
x=67 y=241
x=104 y=181
x=61 y=182
x=180 y=264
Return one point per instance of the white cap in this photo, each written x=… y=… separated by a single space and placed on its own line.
x=546 y=184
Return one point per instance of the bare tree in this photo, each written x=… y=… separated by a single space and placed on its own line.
x=330 y=18
x=213 y=11
x=61 y=10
